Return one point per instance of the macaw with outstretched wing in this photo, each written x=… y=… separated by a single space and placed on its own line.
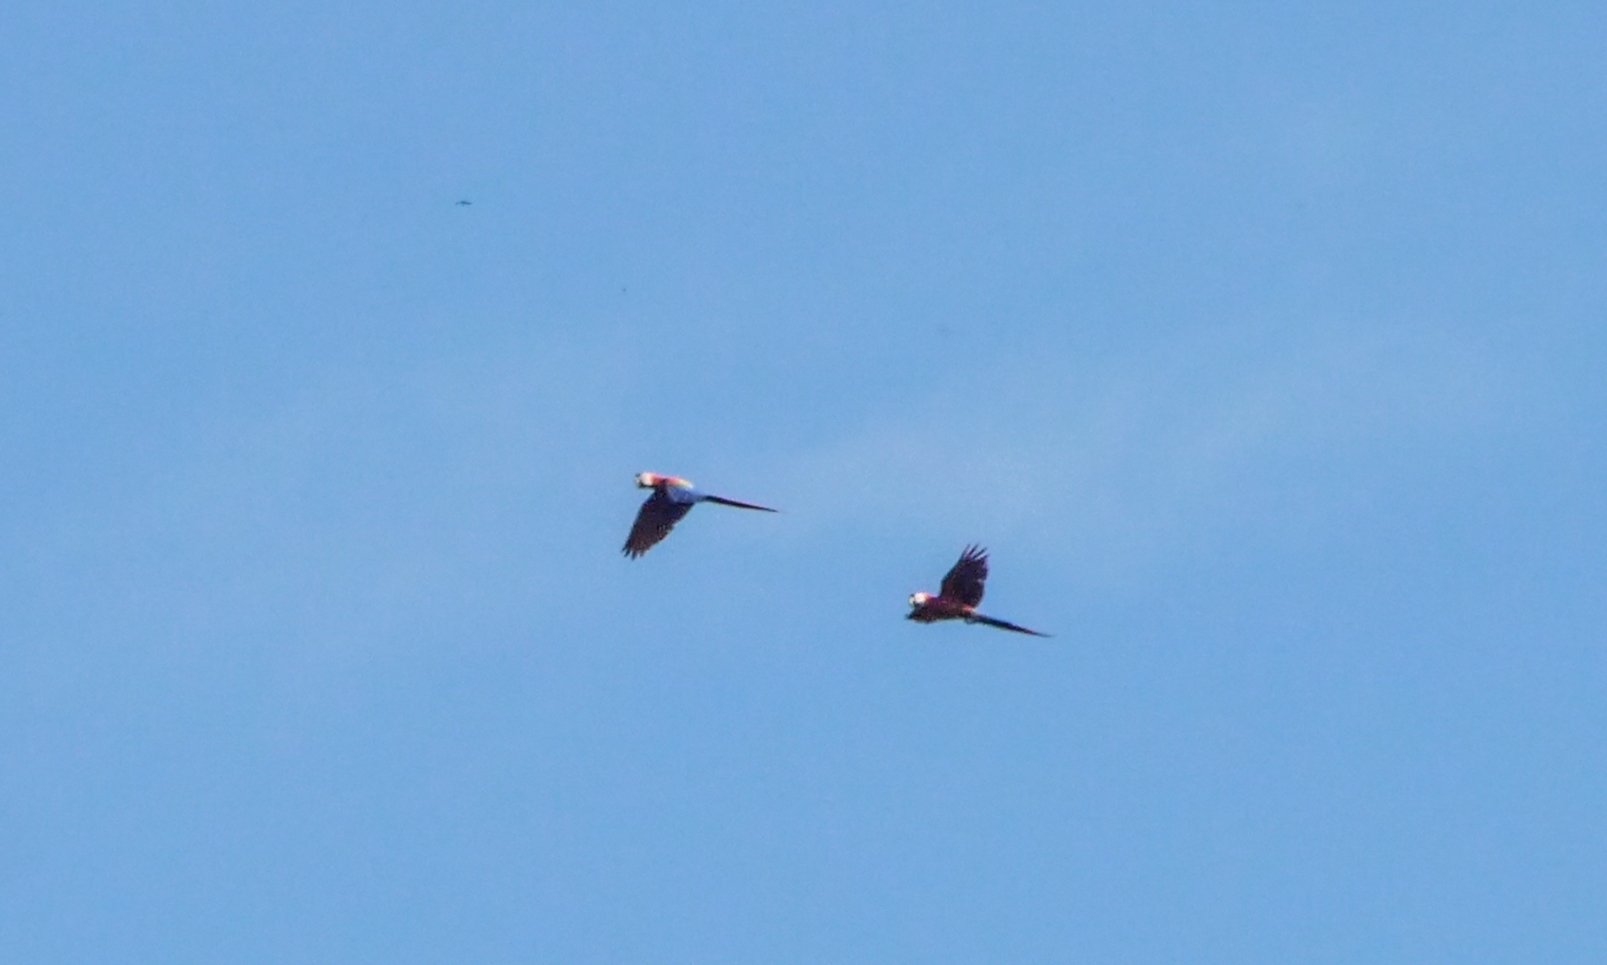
x=672 y=498
x=959 y=594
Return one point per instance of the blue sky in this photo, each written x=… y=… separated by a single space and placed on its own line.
x=1262 y=345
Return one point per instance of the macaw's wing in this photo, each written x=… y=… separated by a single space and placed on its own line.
x=964 y=581
x=657 y=517
x=1004 y=625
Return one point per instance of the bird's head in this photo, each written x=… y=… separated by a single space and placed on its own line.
x=647 y=480
x=919 y=599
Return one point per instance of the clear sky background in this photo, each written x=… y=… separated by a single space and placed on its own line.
x=1263 y=344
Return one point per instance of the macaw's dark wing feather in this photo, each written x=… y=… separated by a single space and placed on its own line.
x=657 y=517
x=964 y=581
x=738 y=503
x=1003 y=625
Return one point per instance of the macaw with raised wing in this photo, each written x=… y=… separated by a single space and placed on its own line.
x=672 y=498
x=959 y=595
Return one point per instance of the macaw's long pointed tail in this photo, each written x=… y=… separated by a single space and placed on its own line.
x=1002 y=624
x=739 y=504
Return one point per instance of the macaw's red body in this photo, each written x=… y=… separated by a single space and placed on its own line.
x=672 y=498
x=959 y=595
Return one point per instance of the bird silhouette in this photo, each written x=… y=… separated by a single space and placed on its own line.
x=672 y=498
x=959 y=594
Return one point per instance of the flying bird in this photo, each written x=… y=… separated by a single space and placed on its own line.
x=464 y=203
x=959 y=595
x=672 y=498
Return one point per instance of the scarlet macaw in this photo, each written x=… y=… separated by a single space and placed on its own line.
x=960 y=593
x=673 y=497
